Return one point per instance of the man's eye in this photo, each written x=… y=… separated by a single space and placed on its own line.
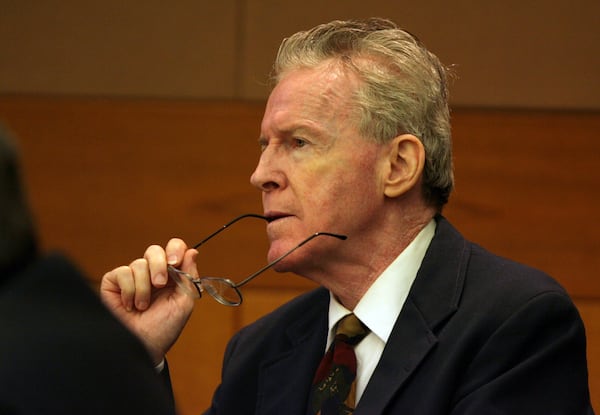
x=299 y=142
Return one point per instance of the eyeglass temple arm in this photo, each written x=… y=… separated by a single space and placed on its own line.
x=269 y=265
x=218 y=231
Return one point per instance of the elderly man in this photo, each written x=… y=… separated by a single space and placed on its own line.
x=355 y=140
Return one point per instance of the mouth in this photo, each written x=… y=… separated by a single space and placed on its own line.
x=273 y=216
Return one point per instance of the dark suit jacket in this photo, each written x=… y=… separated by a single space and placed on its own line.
x=478 y=335
x=62 y=352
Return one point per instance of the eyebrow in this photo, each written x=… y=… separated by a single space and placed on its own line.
x=297 y=128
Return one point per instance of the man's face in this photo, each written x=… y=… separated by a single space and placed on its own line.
x=317 y=173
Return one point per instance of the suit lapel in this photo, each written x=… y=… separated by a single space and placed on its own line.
x=285 y=380
x=433 y=298
x=410 y=342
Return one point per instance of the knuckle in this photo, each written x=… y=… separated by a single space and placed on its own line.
x=153 y=251
x=176 y=244
x=138 y=265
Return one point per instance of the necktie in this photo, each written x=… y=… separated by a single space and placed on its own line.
x=334 y=386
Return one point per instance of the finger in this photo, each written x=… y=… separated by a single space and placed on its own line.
x=175 y=251
x=120 y=282
x=189 y=262
x=157 y=265
x=141 y=279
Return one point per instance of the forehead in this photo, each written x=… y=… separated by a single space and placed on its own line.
x=311 y=95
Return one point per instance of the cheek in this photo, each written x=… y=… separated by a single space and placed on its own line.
x=347 y=191
x=339 y=183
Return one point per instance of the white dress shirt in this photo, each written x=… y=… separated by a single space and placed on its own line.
x=379 y=308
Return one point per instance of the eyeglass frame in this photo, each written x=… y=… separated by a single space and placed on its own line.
x=226 y=282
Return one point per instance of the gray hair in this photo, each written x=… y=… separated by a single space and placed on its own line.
x=403 y=87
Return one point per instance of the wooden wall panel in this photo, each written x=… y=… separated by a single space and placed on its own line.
x=525 y=185
x=107 y=178
x=505 y=53
x=115 y=48
x=590 y=312
x=138 y=172
x=195 y=360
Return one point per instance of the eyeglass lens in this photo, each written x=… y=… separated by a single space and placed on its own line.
x=221 y=289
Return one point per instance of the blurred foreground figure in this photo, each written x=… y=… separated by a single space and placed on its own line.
x=61 y=351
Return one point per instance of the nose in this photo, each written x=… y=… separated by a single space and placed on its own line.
x=267 y=176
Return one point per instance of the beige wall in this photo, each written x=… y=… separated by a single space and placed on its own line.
x=514 y=53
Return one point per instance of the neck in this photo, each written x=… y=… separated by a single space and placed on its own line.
x=350 y=277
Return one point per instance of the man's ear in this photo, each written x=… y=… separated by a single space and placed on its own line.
x=406 y=163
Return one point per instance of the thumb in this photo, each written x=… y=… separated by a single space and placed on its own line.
x=189 y=262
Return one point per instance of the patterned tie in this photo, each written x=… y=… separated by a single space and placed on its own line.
x=334 y=386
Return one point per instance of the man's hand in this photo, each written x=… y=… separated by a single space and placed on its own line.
x=146 y=301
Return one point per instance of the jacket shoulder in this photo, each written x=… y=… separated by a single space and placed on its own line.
x=307 y=307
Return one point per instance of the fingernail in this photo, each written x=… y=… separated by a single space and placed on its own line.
x=128 y=304
x=160 y=279
x=172 y=259
x=142 y=305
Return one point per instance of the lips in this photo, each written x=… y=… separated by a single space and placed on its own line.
x=273 y=216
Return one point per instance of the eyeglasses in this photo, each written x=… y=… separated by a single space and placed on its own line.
x=224 y=290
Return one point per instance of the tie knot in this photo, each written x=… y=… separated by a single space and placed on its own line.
x=350 y=330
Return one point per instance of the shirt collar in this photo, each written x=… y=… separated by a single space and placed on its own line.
x=379 y=308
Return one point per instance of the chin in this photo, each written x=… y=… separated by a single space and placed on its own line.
x=282 y=267
x=289 y=263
